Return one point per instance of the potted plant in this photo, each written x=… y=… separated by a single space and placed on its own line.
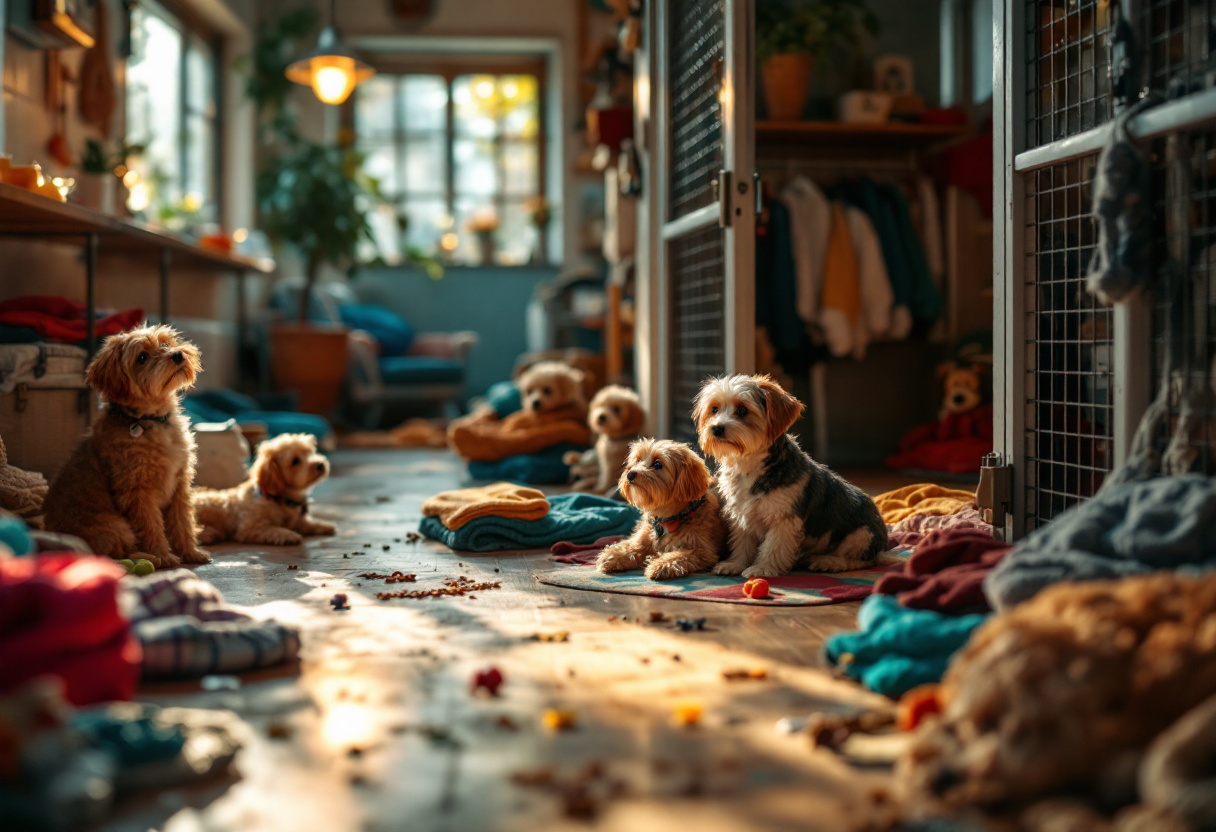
x=314 y=198
x=791 y=35
x=484 y=224
x=101 y=171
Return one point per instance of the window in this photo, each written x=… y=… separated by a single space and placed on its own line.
x=454 y=155
x=171 y=111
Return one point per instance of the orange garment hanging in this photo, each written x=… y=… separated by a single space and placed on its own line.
x=840 y=303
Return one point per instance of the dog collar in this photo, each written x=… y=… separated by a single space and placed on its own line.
x=282 y=500
x=136 y=428
x=664 y=526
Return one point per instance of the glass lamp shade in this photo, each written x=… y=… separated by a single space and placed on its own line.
x=332 y=70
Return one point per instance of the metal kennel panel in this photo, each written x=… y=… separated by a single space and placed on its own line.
x=1179 y=46
x=698 y=322
x=1068 y=363
x=1066 y=83
x=695 y=70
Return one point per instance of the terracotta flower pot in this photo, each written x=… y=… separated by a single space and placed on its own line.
x=310 y=359
x=787 y=80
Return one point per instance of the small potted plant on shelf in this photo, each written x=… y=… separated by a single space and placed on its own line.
x=101 y=173
x=316 y=199
x=539 y=212
x=483 y=225
x=791 y=35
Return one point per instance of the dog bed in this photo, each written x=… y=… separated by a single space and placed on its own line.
x=801 y=589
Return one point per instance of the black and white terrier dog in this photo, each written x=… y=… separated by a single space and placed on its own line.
x=782 y=507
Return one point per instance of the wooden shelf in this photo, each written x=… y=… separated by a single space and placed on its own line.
x=23 y=213
x=837 y=136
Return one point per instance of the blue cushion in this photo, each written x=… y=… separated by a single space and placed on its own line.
x=421 y=369
x=222 y=405
x=392 y=331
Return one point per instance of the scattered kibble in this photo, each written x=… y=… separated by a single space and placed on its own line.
x=292 y=567
x=558 y=719
x=488 y=679
x=537 y=777
x=367 y=545
x=560 y=635
x=339 y=601
x=394 y=578
x=450 y=588
x=675 y=657
x=414 y=537
x=756 y=589
x=739 y=674
x=505 y=723
x=345 y=556
x=496 y=569
x=386 y=547
x=657 y=617
x=645 y=660
x=687 y=714
x=278 y=730
x=831 y=730
x=687 y=625
x=613 y=618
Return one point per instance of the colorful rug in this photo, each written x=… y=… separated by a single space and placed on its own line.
x=801 y=589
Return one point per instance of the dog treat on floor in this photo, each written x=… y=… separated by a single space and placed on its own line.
x=616 y=417
x=126 y=486
x=1066 y=691
x=923 y=499
x=455 y=509
x=271 y=506
x=783 y=508
x=681 y=530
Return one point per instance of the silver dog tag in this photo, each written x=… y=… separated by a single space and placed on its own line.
x=136 y=430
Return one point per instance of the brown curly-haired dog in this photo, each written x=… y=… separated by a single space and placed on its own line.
x=1065 y=691
x=617 y=417
x=271 y=507
x=681 y=530
x=126 y=487
x=551 y=386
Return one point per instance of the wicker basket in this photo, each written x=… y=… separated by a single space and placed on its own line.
x=41 y=426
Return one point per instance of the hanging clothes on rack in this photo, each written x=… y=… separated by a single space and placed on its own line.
x=925 y=302
x=777 y=291
x=810 y=223
x=877 y=299
x=863 y=194
x=839 y=315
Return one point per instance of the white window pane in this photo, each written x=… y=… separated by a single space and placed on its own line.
x=520 y=106
x=374 y=108
x=476 y=106
x=468 y=209
x=154 y=103
x=200 y=77
x=519 y=164
x=380 y=163
x=424 y=102
x=386 y=235
x=516 y=237
x=476 y=172
x=427 y=221
x=426 y=165
x=200 y=162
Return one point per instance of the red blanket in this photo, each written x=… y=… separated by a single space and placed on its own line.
x=59 y=319
x=59 y=616
x=946 y=572
x=955 y=444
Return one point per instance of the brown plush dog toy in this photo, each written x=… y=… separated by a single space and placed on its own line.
x=126 y=487
x=616 y=416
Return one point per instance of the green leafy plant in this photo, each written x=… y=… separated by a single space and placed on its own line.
x=98 y=159
x=316 y=198
x=821 y=28
x=280 y=37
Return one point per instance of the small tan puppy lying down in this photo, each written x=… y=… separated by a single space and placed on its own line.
x=616 y=417
x=271 y=507
x=126 y=487
x=681 y=530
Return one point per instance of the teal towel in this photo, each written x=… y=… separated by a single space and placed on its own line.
x=504 y=398
x=542 y=468
x=897 y=648
x=578 y=518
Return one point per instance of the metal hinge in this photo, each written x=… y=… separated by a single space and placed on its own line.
x=995 y=493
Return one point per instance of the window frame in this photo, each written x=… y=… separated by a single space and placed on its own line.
x=191 y=28
x=449 y=69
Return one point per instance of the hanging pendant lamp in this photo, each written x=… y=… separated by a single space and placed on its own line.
x=332 y=69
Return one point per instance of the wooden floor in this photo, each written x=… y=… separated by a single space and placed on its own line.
x=383 y=734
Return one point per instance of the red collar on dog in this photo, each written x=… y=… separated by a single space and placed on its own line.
x=664 y=526
x=283 y=500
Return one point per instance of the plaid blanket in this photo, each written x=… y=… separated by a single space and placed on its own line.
x=186 y=630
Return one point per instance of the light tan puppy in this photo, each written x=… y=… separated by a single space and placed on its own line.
x=550 y=386
x=681 y=530
x=271 y=507
x=617 y=417
x=126 y=487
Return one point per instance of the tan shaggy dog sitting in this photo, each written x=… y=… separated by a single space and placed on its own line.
x=126 y=487
x=616 y=416
x=271 y=507
x=681 y=530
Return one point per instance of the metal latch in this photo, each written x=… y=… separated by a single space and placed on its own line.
x=995 y=493
x=724 y=198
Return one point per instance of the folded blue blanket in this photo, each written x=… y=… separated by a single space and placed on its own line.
x=578 y=518
x=897 y=648
x=222 y=405
x=1128 y=529
x=544 y=468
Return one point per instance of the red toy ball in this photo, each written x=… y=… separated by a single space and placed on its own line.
x=489 y=679
x=756 y=588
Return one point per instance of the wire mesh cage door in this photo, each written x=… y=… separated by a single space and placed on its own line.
x=704 y=130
